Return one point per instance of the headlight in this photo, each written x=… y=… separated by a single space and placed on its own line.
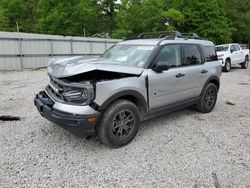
x=78 y=95
x=220 y=57
x=72 y=93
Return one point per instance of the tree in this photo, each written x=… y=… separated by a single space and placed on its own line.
x=68 y=17
x=107 y=10
x=21 y=11
x=207 y=18
x=3 y=20
x=217 y=20
x=239 y=14
x=175 y=19
x=136 y=16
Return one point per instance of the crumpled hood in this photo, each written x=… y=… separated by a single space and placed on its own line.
x=77 y=65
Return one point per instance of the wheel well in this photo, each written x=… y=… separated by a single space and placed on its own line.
x=215 y=82
x=228 y=58
x=133 y=97
x=136 y=101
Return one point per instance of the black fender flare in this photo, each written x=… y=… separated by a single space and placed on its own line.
x=126 y=94
x=212 y=79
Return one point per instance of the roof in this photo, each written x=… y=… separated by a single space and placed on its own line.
x=228 y=44
x=157 y=40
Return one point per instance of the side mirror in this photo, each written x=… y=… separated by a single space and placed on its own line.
x=160 y=68
x=231 y=51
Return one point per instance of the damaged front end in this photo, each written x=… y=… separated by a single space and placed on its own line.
x=74 y=93
x=68 y=104
x=78 y=88
x=73 y=80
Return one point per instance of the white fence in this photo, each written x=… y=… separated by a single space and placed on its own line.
x=22 y=50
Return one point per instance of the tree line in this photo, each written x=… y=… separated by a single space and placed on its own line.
x=221 y=21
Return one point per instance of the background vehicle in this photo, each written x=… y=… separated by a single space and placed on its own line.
x=232 y=54
x=133 y=81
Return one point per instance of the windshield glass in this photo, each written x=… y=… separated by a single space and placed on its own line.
x=132 y=55
x=223 y=48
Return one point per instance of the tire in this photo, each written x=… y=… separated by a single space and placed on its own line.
x=227 y=66
x=208 y=98
x=244 y=65
x=119 y=124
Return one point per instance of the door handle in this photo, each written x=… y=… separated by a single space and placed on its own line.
x=180 y=75
x=203 y=71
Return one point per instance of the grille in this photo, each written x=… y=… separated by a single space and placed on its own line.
x=55 y=89
x=64 y=93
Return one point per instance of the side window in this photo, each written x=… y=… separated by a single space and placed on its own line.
x=169 y=55
x=192 y=55
x=232 y=49
x=210 y=53
x=237 y=48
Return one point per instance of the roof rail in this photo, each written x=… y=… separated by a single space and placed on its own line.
x=164 y=35
x=170 y=37
x=158 y=34
x=191 y=36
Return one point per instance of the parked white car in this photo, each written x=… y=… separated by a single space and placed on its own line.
x=232 y=54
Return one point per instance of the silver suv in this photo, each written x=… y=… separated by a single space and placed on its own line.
x=133 y=81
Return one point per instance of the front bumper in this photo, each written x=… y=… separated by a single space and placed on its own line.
x=222 y=62
x=76 y=124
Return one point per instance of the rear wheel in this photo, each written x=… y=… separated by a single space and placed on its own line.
x=119 y=123
x=208 y=99
x=244 y=65
x=227 y=66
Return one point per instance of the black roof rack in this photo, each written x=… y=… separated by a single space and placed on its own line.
x=159 y=34
x=167 y=36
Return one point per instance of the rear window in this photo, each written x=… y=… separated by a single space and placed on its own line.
x=221 y=48
x=210 y=53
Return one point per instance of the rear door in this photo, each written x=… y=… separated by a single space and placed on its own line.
x=239 y=53
x=196 y=71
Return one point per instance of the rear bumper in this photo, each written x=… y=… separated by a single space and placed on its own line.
x=76 y=124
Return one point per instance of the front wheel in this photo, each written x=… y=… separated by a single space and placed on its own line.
x=208 y=99
x=227 y=67
x=244 y=65
x=119 y=123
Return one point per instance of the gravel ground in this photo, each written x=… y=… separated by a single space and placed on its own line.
x=181 y=149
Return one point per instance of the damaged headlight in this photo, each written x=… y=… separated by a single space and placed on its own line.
x=78 y=95
x=72 y=93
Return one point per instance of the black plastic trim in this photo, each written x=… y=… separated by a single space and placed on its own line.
x=152 y=57
x=140 y=98
x=170 y=108
x=76 y=124
x=147 y=88
x=209 y=80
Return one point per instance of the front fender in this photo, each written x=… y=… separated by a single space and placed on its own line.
x=108 y=91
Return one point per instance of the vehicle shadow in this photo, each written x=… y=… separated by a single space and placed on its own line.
x=234 y=68
x=61 y=137
x=165 y=119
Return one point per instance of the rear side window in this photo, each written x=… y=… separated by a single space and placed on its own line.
x=192 y=55
x=210 y=53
